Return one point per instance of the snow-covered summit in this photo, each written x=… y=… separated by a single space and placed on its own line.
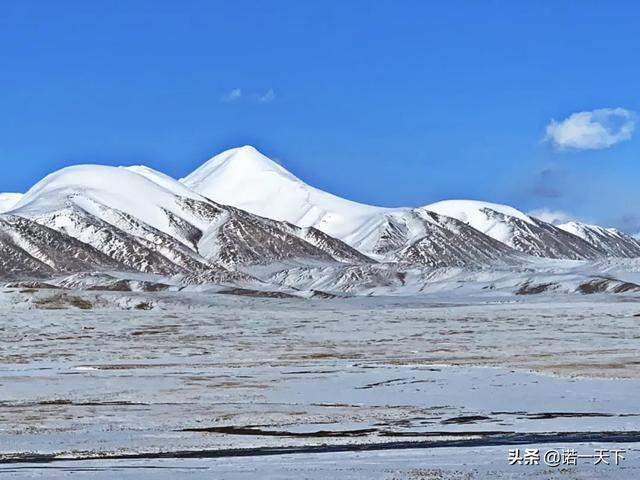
x=516 y=229
x=93 y=186
x=247 y=179
x=610 y=240
x=583 y=229
x=235 y=161
x=471 y=211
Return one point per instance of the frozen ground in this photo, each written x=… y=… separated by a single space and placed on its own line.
x=218 y=375
x=414 y=464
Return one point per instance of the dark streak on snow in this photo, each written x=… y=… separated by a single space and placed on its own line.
x=473 y=441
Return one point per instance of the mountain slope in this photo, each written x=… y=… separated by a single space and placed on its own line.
x=29 y=249
x=609 y=240
x=16 y=263
x=516 y=229
x=428 y=239
x=262 y=239
x=8 y=201
x=234 y=237
x=150 y=252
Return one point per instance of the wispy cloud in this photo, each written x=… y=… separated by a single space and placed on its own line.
x=556 y=217
x=232 y=96
x=269 y=96
x=597 y=129
x=237 y=94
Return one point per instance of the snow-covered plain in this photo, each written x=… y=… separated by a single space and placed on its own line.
x=472 y=463
x=203 y=374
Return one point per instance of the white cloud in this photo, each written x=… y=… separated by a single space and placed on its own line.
x=233 y=95
x=556 y=217
x=237 y=94
x=593 y=130
x=269 y=96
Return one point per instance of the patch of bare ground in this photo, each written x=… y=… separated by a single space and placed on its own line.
x=256 y=293
x=529 y=289
x=62 y=301
x=432 y=474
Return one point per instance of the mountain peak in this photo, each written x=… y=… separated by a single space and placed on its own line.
x=246 y=153
x=241 y=163
x=247 y=179
x=466 y=210
x=249 y=149
x=140 y=192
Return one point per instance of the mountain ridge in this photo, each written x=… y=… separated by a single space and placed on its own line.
x=243 y=220
x=245 y=178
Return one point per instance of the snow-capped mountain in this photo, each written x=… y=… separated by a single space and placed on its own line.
x=247 y=179
x=609 y=240
x=516 y=229
x=243 y=219
x=415 y=237
x=142 y=220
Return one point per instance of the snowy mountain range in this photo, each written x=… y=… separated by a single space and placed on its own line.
x=243 y=220
x=245 y=178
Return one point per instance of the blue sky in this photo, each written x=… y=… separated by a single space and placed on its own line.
x=391 y=102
